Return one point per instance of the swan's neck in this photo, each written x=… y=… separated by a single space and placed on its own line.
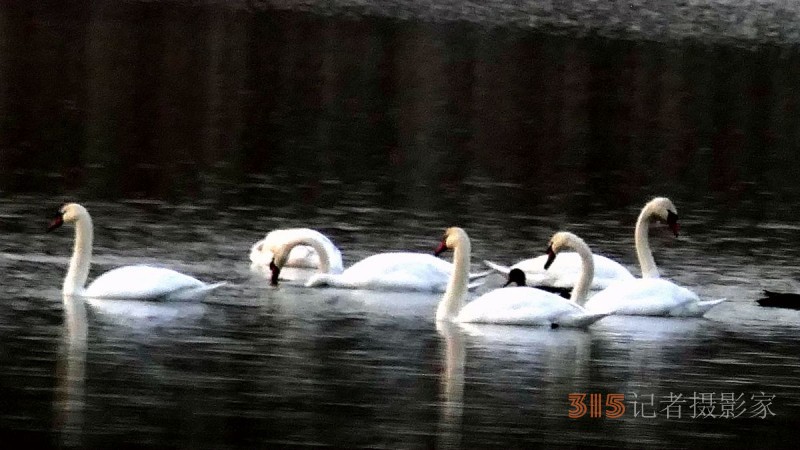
x=78 y=270
x=315 y=242
x=643 y=252
x=580 y=292
x=458 y=285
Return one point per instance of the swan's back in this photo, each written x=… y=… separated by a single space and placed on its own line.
x=143 y=282
x=525 y=306
x=642 y=296
x=566 y=269
x=391 y=271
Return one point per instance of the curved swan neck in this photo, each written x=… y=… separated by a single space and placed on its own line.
x=314 y=240
x=580 y=292
x=78 y=271
x=641 y=235
x=458 y=285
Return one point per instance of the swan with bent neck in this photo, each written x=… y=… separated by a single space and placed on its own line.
x=565 y=271
x=393 y=271
x=300 y=257
x=516 y=305
x=138 y=282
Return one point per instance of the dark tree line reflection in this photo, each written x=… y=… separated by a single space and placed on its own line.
x=172 y=99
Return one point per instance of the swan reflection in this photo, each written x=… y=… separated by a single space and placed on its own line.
x=452 y=386
x=71 y=373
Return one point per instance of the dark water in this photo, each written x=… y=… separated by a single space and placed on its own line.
x=258 y=366
x=191 y=129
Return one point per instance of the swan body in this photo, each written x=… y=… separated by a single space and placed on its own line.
x=404 y=271
x=126 y=283
x=393 y=271
x=564 y=273
x=301 y=256
x=649 y=297
x=514 y=305
x=130 y=282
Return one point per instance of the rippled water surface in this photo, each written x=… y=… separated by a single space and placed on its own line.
x=256 y=366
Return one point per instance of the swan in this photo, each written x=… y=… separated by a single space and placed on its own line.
x=137 y=282
x=301 y=256
x=515 y=305
x=565 y=271
x=645 y=297
x=394 y=271
x=649 y=297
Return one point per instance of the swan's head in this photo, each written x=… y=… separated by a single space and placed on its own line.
x=558 y=242
x=451 y=239
x=516 y=276
x=68 y=213
x=280 y=255
x=663 y=210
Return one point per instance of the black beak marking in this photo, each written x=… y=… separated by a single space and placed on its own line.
x=551 y=256
x=56 y=222
x=276 y=271
x=672 y=222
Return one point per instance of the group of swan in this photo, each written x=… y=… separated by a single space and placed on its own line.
x=531 y=306
x=305 y=248
x=565 y=271
x=397 y=271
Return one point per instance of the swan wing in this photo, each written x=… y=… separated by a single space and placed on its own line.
x=404 y=271
x=643 y=297
x=147 y=283
x=525 y=306
x=566 y=269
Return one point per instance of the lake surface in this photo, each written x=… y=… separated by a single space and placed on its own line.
x=257 y=366
x=190 y=129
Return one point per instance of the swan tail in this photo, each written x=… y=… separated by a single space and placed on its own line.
x=195 y=293
x=497 y=267
x=475 y=285
x=705 y=305
x=480 y=275
x=581 y=321
x=695 y=309
x=323 y=279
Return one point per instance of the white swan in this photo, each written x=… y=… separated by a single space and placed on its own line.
x=515 y=305
x=130 y=282
x=301 y=256
x=646 y=297
x=565 y=271
x=396 y=271
x=649 y=297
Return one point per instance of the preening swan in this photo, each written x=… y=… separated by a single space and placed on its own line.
x=396 y=271
x=130 y=282
x=565 y=271
x=301 y=256
x=515 y=305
